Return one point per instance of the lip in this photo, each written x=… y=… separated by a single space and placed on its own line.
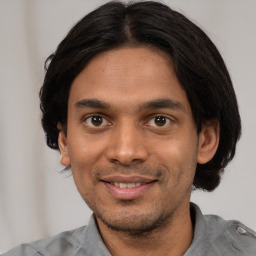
x=128 y=193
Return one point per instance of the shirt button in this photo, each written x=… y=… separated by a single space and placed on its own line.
x=241 y=230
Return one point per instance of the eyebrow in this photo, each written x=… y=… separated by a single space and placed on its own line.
x=163 y=103
x=92 y=103
x=150 y=105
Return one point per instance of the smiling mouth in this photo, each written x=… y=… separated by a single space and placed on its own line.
x=128 y=190
x=126 y=185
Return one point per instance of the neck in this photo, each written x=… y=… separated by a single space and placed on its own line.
x=173 y=238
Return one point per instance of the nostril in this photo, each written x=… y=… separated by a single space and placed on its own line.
x=126 y=157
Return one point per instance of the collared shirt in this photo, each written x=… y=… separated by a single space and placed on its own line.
x=213 y=236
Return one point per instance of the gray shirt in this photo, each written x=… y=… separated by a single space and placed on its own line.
x=212 y=236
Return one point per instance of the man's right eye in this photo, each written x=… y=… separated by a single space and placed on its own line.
x=96 y=121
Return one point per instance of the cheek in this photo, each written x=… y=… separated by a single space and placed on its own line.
x=176 y=149
x=84 y=152
x=83 y=159
x=179 y=157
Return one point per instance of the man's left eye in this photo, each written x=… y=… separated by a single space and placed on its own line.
x=159 y=121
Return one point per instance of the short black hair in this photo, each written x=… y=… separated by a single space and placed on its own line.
x=198 y=65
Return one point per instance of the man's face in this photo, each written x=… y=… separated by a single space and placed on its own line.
x=131 y=139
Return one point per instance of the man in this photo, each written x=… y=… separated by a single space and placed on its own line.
x=141 y=106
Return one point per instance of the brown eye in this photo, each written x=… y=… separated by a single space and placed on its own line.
x=160 y=120
x=96 y=120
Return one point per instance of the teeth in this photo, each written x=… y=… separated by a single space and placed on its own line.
x=126 y=185
x=116 y=184
x=123 y=185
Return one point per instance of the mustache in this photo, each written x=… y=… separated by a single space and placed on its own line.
x=156 y=172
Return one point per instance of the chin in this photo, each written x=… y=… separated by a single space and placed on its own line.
x=135 y=224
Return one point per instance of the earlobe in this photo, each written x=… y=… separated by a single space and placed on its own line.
x=208 y=141
x=63 y=145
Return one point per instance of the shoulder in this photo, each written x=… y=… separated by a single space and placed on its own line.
x=21 y=250
x=215 y=236
x=84 y=241
x=230 y=235
x=62 y=244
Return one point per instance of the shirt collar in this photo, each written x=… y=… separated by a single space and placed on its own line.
x=202 y=244
x=92 y=241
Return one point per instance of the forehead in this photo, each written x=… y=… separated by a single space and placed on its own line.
x=130 y=75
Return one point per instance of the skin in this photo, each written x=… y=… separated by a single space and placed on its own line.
x=130 y=120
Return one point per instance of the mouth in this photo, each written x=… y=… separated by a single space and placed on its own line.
x=126 y=185
x=128 y=188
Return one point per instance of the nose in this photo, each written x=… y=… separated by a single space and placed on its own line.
x=127 y=145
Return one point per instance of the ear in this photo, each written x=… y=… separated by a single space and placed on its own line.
x=208 y=141
x=63 y=145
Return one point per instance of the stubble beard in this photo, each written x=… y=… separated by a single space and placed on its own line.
x=137 y=225
x=132 y=223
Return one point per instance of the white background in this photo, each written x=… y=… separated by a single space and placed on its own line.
x=36 y=200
